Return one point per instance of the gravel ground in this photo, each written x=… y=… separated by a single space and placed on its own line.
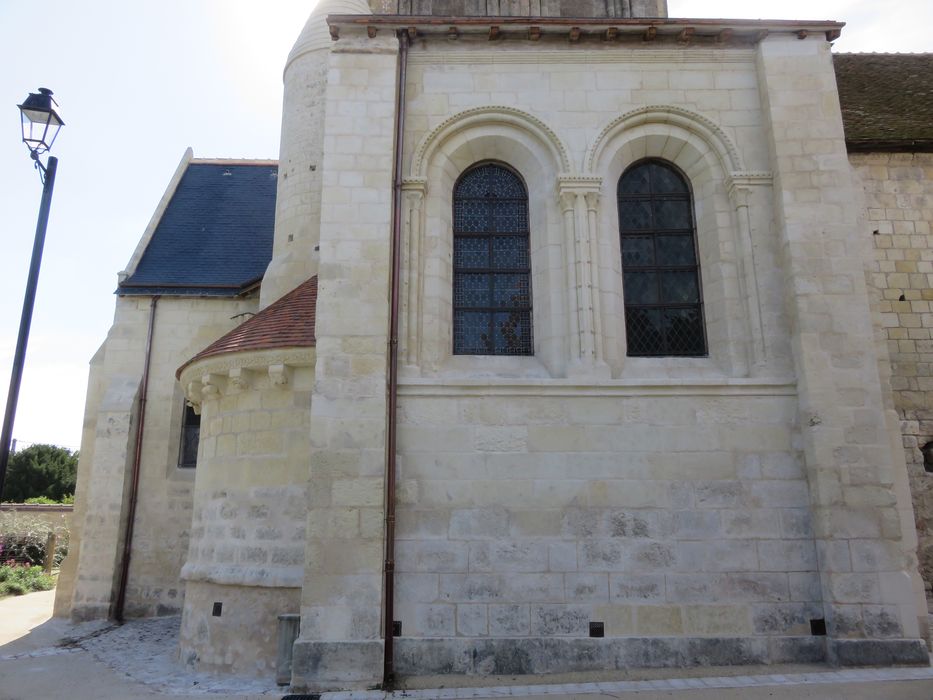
x=146 y=652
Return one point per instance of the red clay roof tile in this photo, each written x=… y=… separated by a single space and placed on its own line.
x=287 y=323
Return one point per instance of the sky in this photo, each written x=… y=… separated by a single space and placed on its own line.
x=139 y=82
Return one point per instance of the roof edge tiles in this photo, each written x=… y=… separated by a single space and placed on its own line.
x=887 y=101
x=212 y=234
x=287 y=323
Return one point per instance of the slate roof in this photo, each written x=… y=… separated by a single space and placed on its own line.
x=215 y=236
x=887 y=101
x=286 y=323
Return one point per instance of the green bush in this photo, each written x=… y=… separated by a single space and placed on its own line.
x=41 y=470
x=17 y=580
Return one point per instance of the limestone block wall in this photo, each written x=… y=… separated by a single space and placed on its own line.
x=251 y=492
x=182 y=328
x=341 y=633
x=665 y=498
x=780 y=310
x=298 y=196
x=851 y=463
x=163 y=516
x=533 y=510
x=570 y=134
x=898 y=191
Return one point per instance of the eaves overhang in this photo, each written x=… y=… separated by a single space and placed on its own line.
x=685 y=31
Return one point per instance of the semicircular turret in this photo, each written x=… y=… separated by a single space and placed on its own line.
x=315 y=34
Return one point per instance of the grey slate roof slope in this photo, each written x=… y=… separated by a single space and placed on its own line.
x=887 y=101
x=215 y=236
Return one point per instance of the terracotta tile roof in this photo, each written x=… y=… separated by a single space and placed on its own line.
x=287 y=323
x=887 y=100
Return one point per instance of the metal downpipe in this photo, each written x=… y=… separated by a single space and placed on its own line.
x=137 y=459
x=388 y=670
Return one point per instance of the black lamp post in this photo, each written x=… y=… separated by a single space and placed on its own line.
x=41 y=122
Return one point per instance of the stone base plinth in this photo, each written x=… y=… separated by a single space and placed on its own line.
x=878 y=652
x=533 y=656
x=351 y=665
x=233 y=628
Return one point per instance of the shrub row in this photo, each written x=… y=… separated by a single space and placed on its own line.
x=17 y=580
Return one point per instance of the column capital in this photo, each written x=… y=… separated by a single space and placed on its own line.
x=578 y=184
x=415 y=185
x=741 y=185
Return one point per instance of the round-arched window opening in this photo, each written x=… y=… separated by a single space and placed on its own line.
x=927 y=452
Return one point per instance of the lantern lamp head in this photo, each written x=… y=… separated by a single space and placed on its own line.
x=42 y=120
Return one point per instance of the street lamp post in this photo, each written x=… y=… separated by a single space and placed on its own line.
x=41 y=119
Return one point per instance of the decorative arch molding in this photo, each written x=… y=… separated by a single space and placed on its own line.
x=696 y=124
x=493 y=115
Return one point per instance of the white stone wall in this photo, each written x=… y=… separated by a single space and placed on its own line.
x=851 y=461
x=251 y=493
x=341 y=605
x=572 y=132
x=534 y=510
x=664 y=497
x=183 y=327
x=898 y=191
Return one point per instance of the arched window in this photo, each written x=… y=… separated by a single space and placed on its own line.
x=660 y=269
x=492 y=265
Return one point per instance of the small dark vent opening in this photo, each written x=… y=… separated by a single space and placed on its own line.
x=217 y=610
x=902 y=297
x=397 y=628
x=818 y=627
x=927 y=452
x=315 y=696
x=597 y=629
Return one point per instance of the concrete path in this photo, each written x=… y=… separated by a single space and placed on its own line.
x=35 y=663
x=19 y=615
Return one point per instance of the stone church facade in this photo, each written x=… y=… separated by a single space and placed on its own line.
x=615 y=273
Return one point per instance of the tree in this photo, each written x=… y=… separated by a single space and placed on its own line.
x=40 y=470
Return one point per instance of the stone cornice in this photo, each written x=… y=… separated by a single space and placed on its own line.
x=613 y=388
x=683 y=31
x=219 y=375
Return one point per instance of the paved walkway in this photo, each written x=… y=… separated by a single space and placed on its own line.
x=136 y=662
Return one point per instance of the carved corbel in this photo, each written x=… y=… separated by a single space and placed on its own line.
x=193 y=393
x=280 y=375
x=212 y=386
x=240 y=379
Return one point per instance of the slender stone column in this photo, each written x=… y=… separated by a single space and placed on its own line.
x=413 y=273
x=592 y=220
x=567 y=205
x=579 y=198
x=868 y=601
x=741 y=192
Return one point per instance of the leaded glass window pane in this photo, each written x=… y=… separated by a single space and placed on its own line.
x=492 y=264
x=661 y=274
x=190 y=436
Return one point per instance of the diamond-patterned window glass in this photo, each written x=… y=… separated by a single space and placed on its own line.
x=190 y=436
x=492 y=263
x=660 y=268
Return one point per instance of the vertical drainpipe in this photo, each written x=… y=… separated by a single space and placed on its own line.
x=388 y=670
x=137 y=458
